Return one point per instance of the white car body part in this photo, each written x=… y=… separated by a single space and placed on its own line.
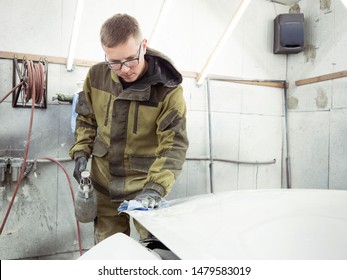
x=253 y=225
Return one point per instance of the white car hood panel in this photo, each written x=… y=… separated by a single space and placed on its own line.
x=255 y=224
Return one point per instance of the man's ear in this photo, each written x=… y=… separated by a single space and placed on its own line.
x=144 y=45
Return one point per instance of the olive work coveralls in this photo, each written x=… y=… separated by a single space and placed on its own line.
x=137 y=137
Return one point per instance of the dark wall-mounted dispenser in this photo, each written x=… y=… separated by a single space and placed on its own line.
x=288 y=33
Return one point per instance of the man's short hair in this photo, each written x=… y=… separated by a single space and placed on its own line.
x=118 y=29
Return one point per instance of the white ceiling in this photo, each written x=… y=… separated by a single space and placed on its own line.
x=188 y=31
x=180 y=17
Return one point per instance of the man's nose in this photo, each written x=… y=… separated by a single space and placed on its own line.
x=124 y=68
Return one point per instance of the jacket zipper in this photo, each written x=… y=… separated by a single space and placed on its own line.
x=136 y=116
x=107 y=110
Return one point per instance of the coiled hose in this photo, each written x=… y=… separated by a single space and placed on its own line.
x=33 y=82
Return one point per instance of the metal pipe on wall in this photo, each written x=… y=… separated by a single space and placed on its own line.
x=273 y=161
x=288 y=167
x=210 y=133
x=271 y=83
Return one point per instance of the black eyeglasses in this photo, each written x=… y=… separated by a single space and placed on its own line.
x=128 y=63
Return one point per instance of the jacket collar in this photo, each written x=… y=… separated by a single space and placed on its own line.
x=160 y=71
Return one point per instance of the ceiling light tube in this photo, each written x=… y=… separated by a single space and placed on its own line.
x=163 y=14
x=223 y=40
x=74 y=35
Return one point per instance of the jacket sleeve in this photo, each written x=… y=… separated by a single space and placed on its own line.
x=86 y=126
x=173 y=144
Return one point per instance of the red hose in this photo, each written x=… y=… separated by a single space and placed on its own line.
x=73 y=199
x=36 y=81
x=34 y=90
x=33 y=82
x=12 y=90
x=24 y=163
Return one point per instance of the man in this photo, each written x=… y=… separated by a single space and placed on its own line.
x=132 y=120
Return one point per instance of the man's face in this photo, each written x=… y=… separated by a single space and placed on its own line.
x=132 y=54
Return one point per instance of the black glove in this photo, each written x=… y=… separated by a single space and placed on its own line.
x=80 y=166
x=149 y=198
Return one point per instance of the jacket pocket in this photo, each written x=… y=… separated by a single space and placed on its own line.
x=100 y=148
x=141 y=163
x=83 y=106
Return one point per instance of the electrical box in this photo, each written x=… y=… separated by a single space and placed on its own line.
x=288 y=33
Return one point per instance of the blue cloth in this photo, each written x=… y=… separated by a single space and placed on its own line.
x=135 y=205
x=73 y=112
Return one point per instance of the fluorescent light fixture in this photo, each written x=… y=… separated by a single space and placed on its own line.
x=344 y=3
x=164 y=11
x=286 y=2
x=222 y=41
x=74 y=35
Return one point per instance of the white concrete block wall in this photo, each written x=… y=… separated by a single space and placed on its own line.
x=247 y=134
x=317 y=125
x=338 y=149
x=309 y=149
x=246 y=126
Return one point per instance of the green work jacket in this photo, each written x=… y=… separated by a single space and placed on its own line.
x=137 y=136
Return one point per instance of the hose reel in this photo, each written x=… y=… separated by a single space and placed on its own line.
x=32 y=77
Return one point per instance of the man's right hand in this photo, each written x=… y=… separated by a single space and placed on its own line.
x=80 y=166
